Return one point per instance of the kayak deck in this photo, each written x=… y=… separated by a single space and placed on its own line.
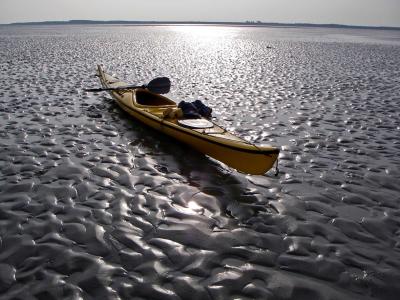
x=214 y=141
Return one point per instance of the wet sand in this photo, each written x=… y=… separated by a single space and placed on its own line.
x=95 y=205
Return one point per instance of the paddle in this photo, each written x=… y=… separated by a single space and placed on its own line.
x=159 y=85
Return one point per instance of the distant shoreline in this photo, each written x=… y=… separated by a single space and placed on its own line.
x=248 y=23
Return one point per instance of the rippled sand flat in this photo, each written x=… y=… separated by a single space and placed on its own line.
x=94 y=205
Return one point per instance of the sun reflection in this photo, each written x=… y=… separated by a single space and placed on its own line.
x=207 y=33
x=210 y=45
x=194 y=206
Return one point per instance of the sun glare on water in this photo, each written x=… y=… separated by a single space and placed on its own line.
x=206 y=33
x=194 y=206
x=209 y=44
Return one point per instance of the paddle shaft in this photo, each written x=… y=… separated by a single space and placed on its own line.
x=128 y=87
x=160 y=85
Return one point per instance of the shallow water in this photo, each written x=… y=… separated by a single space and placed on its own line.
x=95 y=205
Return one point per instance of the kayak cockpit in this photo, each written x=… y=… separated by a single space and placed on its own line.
x=144 y=97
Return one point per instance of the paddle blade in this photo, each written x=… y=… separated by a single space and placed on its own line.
x=159 y=85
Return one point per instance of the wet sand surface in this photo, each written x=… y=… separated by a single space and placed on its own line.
x=95 y=205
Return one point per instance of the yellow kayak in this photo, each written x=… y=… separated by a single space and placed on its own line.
x=206 y=137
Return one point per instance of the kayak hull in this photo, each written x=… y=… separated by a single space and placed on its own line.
x=215 y=142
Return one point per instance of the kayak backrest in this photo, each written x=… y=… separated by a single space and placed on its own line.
x=147 y=98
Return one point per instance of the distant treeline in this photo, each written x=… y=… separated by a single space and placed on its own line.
x=247 y=23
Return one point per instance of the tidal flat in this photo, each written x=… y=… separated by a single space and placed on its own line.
x=94 y=205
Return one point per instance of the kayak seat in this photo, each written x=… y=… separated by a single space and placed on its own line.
x=172 y=113
x=144 y=97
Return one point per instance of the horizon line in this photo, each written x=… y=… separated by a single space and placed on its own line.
x=246 y=23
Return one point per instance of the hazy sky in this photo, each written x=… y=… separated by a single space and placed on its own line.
x=353 y=12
